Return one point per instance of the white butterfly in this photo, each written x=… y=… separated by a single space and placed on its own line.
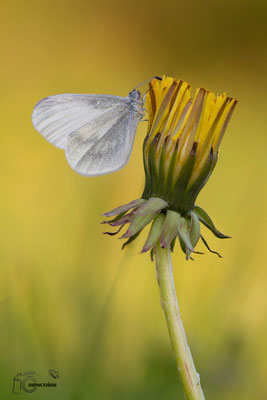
x=95 y=131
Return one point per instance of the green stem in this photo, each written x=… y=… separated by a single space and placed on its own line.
x=185 y=364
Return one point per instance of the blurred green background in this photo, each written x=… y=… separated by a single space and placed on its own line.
x=70 y=299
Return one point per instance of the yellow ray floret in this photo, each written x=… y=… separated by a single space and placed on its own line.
x=200 y=121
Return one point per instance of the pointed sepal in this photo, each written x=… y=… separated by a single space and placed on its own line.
x=170 y=228
x=153 y=205
x=184 y=236
x=194 y=233
x=126 y=207
x=206 y=220
x=154 y=233
x=114 y=219
x=137 y=224
x=189 y=234
x=125 y=219
x=208 y=247
x=130 y=240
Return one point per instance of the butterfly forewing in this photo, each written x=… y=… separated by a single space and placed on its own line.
x=55 y=117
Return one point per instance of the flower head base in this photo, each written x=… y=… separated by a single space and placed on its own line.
x=180 y=152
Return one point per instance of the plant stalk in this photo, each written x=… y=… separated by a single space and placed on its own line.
x=185 y=364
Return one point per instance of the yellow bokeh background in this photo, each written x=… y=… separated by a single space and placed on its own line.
x=70 y=299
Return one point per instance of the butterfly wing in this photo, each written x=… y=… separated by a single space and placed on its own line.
x=105 y=144
x=55 y=117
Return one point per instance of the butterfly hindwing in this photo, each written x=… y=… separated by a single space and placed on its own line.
x=103 y=145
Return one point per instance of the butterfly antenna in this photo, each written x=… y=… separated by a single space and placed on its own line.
x=144 y=95
x=147 y=80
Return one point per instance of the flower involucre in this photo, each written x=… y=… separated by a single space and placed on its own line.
x=180 y=152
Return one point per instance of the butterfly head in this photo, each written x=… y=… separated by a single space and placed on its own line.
x=136 y=102
x=135 y=95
